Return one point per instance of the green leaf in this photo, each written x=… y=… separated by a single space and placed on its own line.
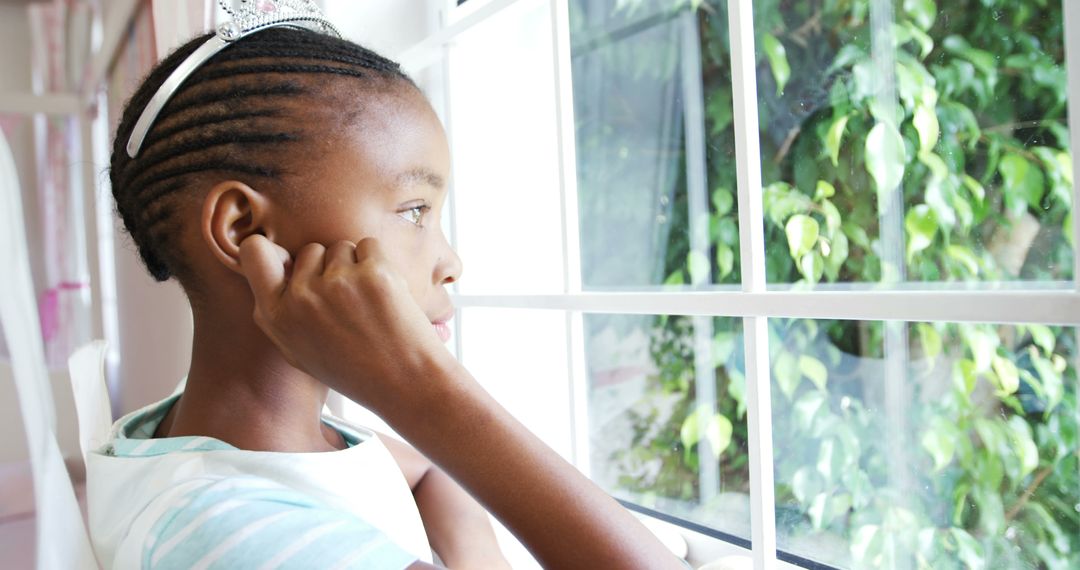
x=968 y=550
x=965 y=257
x=723 y=346
x=926 y=43
x=697 y=264
x=725 y=259
x=805 y=484
x=781 y=201
x=937 y=191
x=983 y=345
x=1023 y=182
x=926 y=123
x=812 y=266
x=723 y=201
x=848 y=55
x=786 y=371
x=974 y=187
x=886 y=157
x=833 y=138
x=690 y=433
x=815 y=370
x=857 y=234
x=802 y=234
x=940 y=446
x=866 y=545
x=921 y=226
x=807 y=407
x=982 y=59
x=832 y=217
x=737 y=389
x=816 y=510
x=1050 y=379
x=1008 y=375
x=778 y=62
x=921 y=12
x=838 y=253
x=824 y=190
x=676 y=278
x=1023 y=446
x=829 y=459
x=719 y=110
x=930 y=339
x=718 y=432
x=964 y=376
x=1043 y=336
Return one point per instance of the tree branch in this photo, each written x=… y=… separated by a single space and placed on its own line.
x=1026 y=496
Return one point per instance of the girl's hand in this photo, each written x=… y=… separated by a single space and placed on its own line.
x=347 y=319
x=344 y=316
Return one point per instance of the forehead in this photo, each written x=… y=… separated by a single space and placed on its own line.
x=390 y=138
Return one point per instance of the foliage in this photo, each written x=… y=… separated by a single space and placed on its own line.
x=971 y=458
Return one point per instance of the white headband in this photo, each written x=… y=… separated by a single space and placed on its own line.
x=251 y=17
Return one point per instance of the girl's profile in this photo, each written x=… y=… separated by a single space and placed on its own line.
x=292 y=182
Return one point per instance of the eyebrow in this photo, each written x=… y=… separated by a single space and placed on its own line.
x=423 y=176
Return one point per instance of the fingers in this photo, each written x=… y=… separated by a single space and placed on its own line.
x=368 y=249
x=340 y=255
x=262 y=262
x=309 y=262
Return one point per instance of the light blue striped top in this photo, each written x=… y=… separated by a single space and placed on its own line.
x=246 y=522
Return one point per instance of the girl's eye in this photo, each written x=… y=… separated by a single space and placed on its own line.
x=415 y=215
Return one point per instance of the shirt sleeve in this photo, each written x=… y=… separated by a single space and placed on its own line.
x=249 y=523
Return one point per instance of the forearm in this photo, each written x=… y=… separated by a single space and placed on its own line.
x=564 y=520
x=457 y=526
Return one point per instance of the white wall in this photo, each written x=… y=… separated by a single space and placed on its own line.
x=385 y=26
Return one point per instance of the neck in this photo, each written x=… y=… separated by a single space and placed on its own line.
x=242 y=391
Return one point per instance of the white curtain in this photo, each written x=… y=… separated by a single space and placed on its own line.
x=61 y=537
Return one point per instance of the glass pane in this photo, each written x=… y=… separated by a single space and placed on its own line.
x=655 y=154
x=504 y=145
x=926 y=445
x=500 y=347
x=667 y=416
x=914 y=141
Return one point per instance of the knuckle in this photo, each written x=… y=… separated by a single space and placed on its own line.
x=312 y=249
x=343 y=244
x=366 y=247
x=301 y=298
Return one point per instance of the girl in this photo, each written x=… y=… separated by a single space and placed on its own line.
x=299 y=178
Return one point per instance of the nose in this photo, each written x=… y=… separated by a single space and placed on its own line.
x=448 y=269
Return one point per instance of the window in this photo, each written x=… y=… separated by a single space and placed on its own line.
x=798 y=274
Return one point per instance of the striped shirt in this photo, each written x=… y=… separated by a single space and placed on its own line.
x=241 y=521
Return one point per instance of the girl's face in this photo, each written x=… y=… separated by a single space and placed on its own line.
x=385 y=176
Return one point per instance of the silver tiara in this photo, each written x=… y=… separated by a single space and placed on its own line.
x=248 y=17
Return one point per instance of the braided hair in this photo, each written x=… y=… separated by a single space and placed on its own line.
x=241 y=114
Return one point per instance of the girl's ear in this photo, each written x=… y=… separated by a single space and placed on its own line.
x=232 y=211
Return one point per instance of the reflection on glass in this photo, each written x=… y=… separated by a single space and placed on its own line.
x=926 y=445
x=655 y=152
x=667 y=416
x=914 y=141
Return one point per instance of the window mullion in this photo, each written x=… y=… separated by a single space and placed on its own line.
x=577 y=376
x=752 y=265
x=1071 y=12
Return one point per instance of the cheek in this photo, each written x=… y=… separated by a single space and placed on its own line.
x=330 y=225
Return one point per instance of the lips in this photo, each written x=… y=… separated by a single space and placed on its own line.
x=442 y=328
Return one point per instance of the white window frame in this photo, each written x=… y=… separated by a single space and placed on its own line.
x=754 y=301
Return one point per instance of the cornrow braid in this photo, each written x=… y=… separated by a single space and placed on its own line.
x=237 y=115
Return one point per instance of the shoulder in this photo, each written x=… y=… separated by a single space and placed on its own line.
x=250 y=522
